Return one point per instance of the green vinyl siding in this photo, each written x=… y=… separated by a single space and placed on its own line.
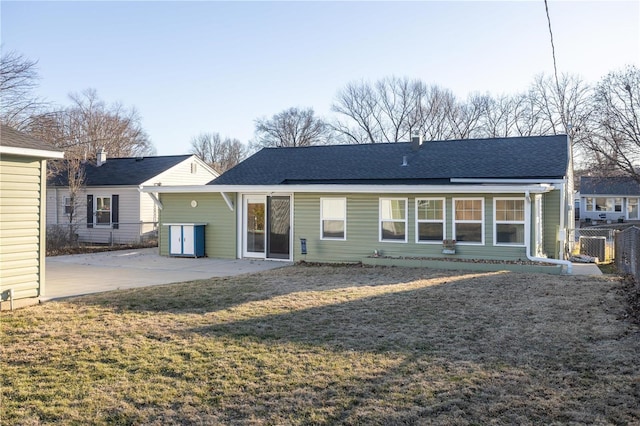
x=551 y=222
x=21 y=222
x=362 y=231
x=220 y=231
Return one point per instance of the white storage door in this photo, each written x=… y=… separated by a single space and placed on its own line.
x=188 y=240
x=175 y=244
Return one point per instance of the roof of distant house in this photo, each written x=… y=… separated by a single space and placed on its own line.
x=123 y=171
x=542 y=157
x=612 y=185
x=19 y=143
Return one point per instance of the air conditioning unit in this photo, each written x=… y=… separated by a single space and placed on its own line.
x=594 y=247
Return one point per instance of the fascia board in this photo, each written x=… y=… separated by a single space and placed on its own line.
x=27 y=152
x=362 y=189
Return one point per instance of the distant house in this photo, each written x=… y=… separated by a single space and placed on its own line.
x=22 y=214
x=609 y=198
x=503 y=198
x=110 y=208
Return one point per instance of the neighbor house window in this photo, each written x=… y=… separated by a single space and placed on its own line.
x=509 y=223
x=333 y=218
x=103 y=211
x=430 y=220
x=393 y=219
x=68 y=206
x=468 y=223
x=632 y=208
x=603 y=204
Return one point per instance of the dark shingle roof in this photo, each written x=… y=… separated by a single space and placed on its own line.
x=15 y=139
x=123 y=171
x=617 y=185
x=433 y=162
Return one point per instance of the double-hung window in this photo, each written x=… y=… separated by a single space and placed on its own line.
x=430 y=214
x=603 y=204
x=509 y=223
x=333 y=218
x=468 y=220
x=393 y=219
x=68 y=206
x=103 y=211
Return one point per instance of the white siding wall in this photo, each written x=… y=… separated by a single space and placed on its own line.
x=181 y=174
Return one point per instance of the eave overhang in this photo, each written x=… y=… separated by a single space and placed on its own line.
x=511 y=188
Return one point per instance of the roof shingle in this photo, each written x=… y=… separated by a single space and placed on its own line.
x=123 y=171
x=519 y=157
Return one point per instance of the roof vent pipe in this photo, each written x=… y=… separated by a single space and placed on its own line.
x=101 y=158
x=404 y=161
x=416 y=142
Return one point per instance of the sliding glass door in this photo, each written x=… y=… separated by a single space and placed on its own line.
x=267 y=226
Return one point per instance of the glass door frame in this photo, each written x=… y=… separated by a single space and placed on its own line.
x=251 y=198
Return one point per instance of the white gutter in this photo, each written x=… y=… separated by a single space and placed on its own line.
x=532 y=258
x=29 y=152
x=539 y=188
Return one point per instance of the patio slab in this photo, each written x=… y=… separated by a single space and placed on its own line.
x=76 y=275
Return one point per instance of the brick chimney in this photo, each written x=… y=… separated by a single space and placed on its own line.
x=416 y=142
x=101 y=157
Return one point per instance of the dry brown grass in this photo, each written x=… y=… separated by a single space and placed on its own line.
x=329 y=345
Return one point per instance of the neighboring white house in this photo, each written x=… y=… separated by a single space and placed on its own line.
x=109 y=208
x=609 y=198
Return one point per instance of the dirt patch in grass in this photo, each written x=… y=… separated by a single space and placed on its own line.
x=329 y=345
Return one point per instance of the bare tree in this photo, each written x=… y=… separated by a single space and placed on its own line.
x=616 y=134
x=220 y=154
x=18 y=79
x=70 y=171
x=88 y=125
x=290 y=128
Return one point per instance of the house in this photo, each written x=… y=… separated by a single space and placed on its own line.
x=108 y=207
x=22 y=215
x=502 y=198
x=609 y=198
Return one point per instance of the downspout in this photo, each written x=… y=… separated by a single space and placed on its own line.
x=566 y=263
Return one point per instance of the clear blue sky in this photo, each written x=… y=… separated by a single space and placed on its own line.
x=209 y=66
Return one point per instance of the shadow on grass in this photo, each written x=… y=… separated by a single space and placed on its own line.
x=217 y=294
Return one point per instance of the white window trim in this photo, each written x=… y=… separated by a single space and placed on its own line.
x=443 y=221
x=95 y=212
x=525 y=223
x=405 y=220
x=322 y=218
x=454 y=221
x=64 y=205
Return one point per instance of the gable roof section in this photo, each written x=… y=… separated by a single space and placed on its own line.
x=18 y=143
x=544 y=157
x=124 y=171
x=616 y=185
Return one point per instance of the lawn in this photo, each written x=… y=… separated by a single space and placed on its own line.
x=329 y=345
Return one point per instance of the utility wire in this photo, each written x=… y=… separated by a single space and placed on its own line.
x=555 y=69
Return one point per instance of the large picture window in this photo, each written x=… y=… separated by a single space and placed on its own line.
x=393 y=219
x=468 y=222
x=333 y=218
x=430 y=214
x=509 y=223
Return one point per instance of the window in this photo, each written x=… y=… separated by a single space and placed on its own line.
x=509 y=223
x=103 y=211
x=430 y=220
x=393 y=219
x=602 y=204
x=333 y=218
x=632 y=208
x=68 y=206
x=468 y=220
